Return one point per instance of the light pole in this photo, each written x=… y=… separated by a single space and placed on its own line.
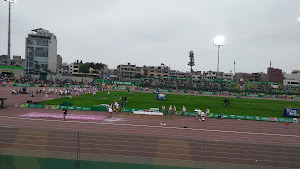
x=8 y=50
x=219 y=41
x=234 y=67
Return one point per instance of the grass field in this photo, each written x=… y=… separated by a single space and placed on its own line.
x=238 y=106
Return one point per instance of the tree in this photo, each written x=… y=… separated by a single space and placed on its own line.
x=84 y=67
x=97 y=66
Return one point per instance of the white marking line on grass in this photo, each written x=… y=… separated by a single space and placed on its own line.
x=142 y=125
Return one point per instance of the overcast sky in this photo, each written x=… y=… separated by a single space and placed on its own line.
x=151 y=32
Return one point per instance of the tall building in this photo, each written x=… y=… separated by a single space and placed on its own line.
x=154 y=71
x=212 y=74
x=75 y=69
x=242 y=77
x=66 y=69
x=275 y=75
x=126 y=72
x=260 y=77
x=59 y=62
x=4 y=59
x=296 y=72
x=41 y=51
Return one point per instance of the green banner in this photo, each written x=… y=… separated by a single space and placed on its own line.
x=257 y=118
x=252 y=95
x=116 y=82
x=178 y=113
x=120 y=88
x=24 y=85
x=54 y=107
x=163 y=90
x=209 y=93
x=98 y=108
x=39 y=106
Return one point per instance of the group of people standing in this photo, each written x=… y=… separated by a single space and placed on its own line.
x=172 y=109
x=113 y=108
x=201 y=116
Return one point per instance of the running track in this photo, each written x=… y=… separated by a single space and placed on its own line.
x=226 y=141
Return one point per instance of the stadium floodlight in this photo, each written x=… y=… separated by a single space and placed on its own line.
x=299 y=17
x=219 y=41
x=11 y=1
x=8 y=49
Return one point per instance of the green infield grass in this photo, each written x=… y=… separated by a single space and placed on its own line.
x=138 y=100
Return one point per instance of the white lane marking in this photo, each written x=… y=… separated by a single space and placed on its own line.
x=142 y=125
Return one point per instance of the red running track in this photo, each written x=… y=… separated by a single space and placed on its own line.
x=224 y=141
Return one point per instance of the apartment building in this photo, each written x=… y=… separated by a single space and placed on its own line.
x=126 y=72
x=41 y=49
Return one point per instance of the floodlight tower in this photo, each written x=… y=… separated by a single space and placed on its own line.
x=219 y=41
x=8 y=50
x=192 y=61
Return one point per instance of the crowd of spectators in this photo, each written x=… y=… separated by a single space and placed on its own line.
x=39 y=81
x=219 y=86
x=173 y=83
x=167 y=83
x=270 y=88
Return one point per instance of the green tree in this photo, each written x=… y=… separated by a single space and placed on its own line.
x=97 y=66
x=84 y=67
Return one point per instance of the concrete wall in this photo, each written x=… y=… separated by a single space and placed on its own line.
x=52 y=54
x=292 y=76
x=291 y=82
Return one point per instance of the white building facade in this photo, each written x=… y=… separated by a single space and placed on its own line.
x=41 y=49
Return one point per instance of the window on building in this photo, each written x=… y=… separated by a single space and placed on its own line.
x=39 y=42
x=45 y=43
x=30 y=41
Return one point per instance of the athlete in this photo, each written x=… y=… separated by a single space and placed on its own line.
x=183 y=110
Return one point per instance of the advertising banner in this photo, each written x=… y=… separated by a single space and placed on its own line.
x=257 y=118
x=22 y=85
x=161 y=97
x=116 y=82
x=291 y=112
